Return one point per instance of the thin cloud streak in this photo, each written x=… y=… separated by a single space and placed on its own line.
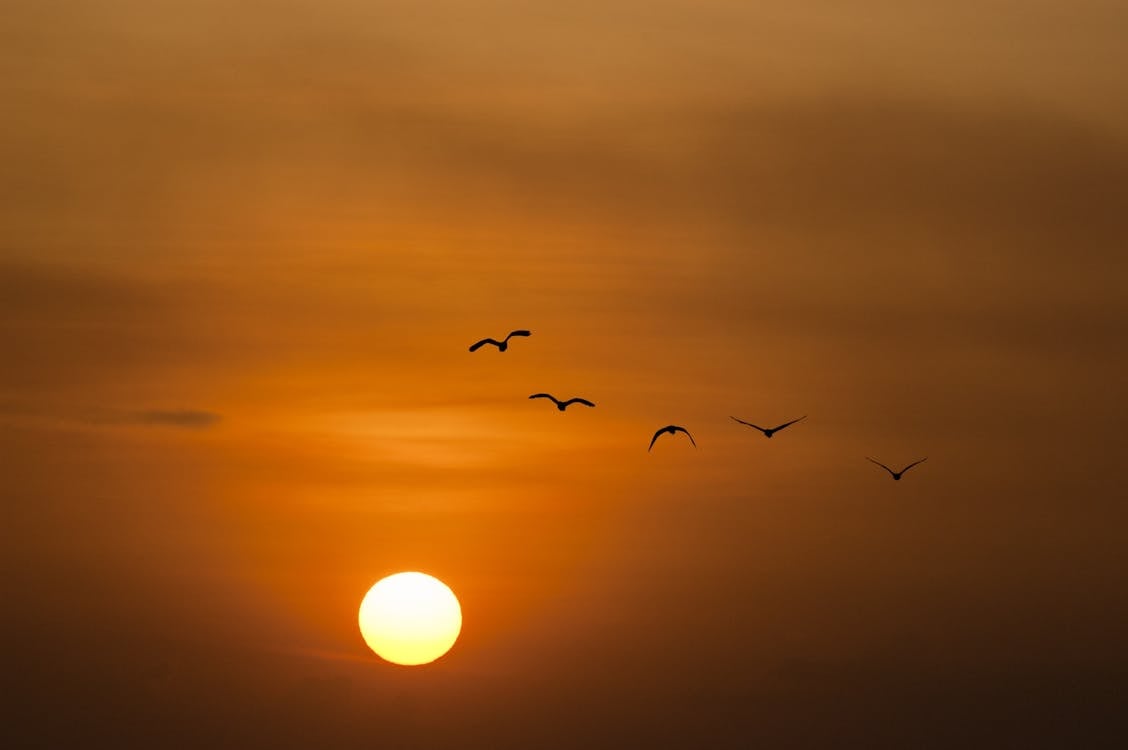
x=191 y=419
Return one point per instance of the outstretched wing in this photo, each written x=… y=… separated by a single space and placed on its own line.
x=761 y=429
x=914 y=463
x=687 y=435
x=518 y=333
x=483 y=342
x=891 y=472
x=655 y=438
x=543 y=395
x=788 y=424
x=583 y=401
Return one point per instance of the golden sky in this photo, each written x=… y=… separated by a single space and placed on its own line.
x=245 y=246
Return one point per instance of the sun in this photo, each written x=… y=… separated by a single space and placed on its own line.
x=410 y=618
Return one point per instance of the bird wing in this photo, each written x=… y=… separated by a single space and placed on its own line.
x=655 y=438
x=518 y=333
x=687 y=435
x=788 y=424
x=583 y=401
x=881 y=465
x=761 y=429
x=914 y=463
x=475 y=347
x=542 y=395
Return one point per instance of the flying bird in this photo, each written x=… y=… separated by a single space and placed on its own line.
x=672 y=429
x=897 y=474
x=562 y=405
x=769 y=432
x=501 y=345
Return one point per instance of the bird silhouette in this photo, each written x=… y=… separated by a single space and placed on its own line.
x=672 y=429
x=897 y=474
x=769 y=432
x=501 y=345
x=562 y=405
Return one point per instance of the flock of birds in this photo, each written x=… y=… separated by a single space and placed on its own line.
x=672 y=429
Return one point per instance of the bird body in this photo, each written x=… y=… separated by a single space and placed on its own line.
x=769 y=431
x=501 y=345
x=562 y=405
x=672 y=429
x=896 y=474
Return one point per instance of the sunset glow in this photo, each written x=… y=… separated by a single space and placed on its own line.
x=296 y=294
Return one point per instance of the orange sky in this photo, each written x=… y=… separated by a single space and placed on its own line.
x=243 y=250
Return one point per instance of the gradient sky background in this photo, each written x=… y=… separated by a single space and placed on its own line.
x=243 y=249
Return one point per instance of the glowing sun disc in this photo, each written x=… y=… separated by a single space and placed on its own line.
x=410 y=618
